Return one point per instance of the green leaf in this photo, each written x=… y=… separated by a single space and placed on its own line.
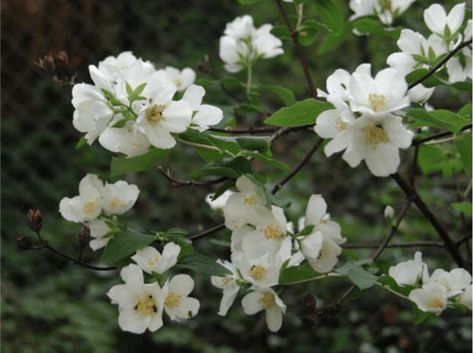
x=295 y=274
x=255 y=144
x=300 y=114
x=81 y=143
x=419 y=316
x=307 y=33
x=464 y=207
x=362 y=278
x=434 y=159
x=266 y=160
x=465 y=112
x=281 y=31
x=463 y=146
x=419 y=73
x=443 y=119
x=202 y=264
x=123 y=245
x=331 y=14
x=308 y=229
x=228 y=167
x=285 y=94
x=373 y=26
x=145 y=162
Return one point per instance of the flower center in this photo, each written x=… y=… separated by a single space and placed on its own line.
x=173 y=300
x=250 y=199
x=116 y=203
x=154 y=260
x=89 y=207
x=325 y=219
x=226 y=280
x=340 y=125
x=435 y=303
x=388 y=5
x=154 y=114
x=375 y=134
x=146 y=306
x=272 y=232
x=257 y=272
x=178 y=82
x=377 y=102
x=267 y=300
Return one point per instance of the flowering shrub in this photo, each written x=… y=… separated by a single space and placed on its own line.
x=139 y=113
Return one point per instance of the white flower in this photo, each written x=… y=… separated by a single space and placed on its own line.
x=442 y=24
x=88 y=205
x=262 y=272
x=321 y=247
x=388 y=212
x=177 y=303
x=127 y=140
x=386 y=93
x=245 y=206
x=362 y=8
x=228 y=284
x=465 y=297
x=242 y=44
x=98 y=231
x=140 y=305
x=377 y=141
x=268 y=237
x=205 y=115
x=220 y=202
x=409 y=273
x=152 y=261
x=454 y=281
x=385 y=10
x=459 y=67
x=160 y=116
x=119 y=197
x=182 y=79
x=335 y=124
x=92 y=113
x=420 y=94
x=265 y=299
x=432 y=297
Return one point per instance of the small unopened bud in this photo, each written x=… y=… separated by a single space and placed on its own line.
x=84 y=236
x=24 y=242
x=35 y=220
x=389 y=212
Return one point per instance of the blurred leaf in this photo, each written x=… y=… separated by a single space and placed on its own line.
x=296 y=274
x=331 y=14
x=145 y=162
x=300 y=114
x=373 y=26
x=228 y=167
x=443 y=119
x=463 y=146
x=266 y=160
x=202 y=264
x=285 y=94
x=434 y=159
x=307 y=33
x=464 y=207
x=123 y=245
x=419 y=316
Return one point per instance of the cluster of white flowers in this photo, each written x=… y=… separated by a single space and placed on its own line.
x=386 y=10
x=141 y=303
x=365 y=121
x=95 y=203
x=420 y=52
x=435 y=292
x=132 y=106
x=262 y=246
x=242 y=44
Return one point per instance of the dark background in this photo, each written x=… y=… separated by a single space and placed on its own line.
x=51 y=306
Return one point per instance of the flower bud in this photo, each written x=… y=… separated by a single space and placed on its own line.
x=35 y=220
x=24 y=242
x=388 y=212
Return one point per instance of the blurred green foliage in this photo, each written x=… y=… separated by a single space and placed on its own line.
x=51 y=306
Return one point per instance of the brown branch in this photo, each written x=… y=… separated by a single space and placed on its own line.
x=207 y=232
x=433 y=244
x=412 y=193
x=250 y=130
x=294 y=34
x=298 y=167
x=179 y=183
x=434 y=69
x=438 y=136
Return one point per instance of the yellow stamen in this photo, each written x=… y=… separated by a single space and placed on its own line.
x=116 y=203
x=146 y=306
x=377 y=102
x=226 y=280
x=257 y=272
x=154 y=260
x=273 y=232
x=89 y=207
x=173 y=300
x=250 y=199
x=154 y=114
x=178 y=82
x=340 y=125
x=435 y=303
x=375 y=134
x=267 y=300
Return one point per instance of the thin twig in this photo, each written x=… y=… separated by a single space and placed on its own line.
x=412 y=193
x=294 y=35
x=207 y=232
x=434 y=69
x=179 y=183
x=426 y=243
x=250 y=130
x=298 y=167
x=438 y=136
